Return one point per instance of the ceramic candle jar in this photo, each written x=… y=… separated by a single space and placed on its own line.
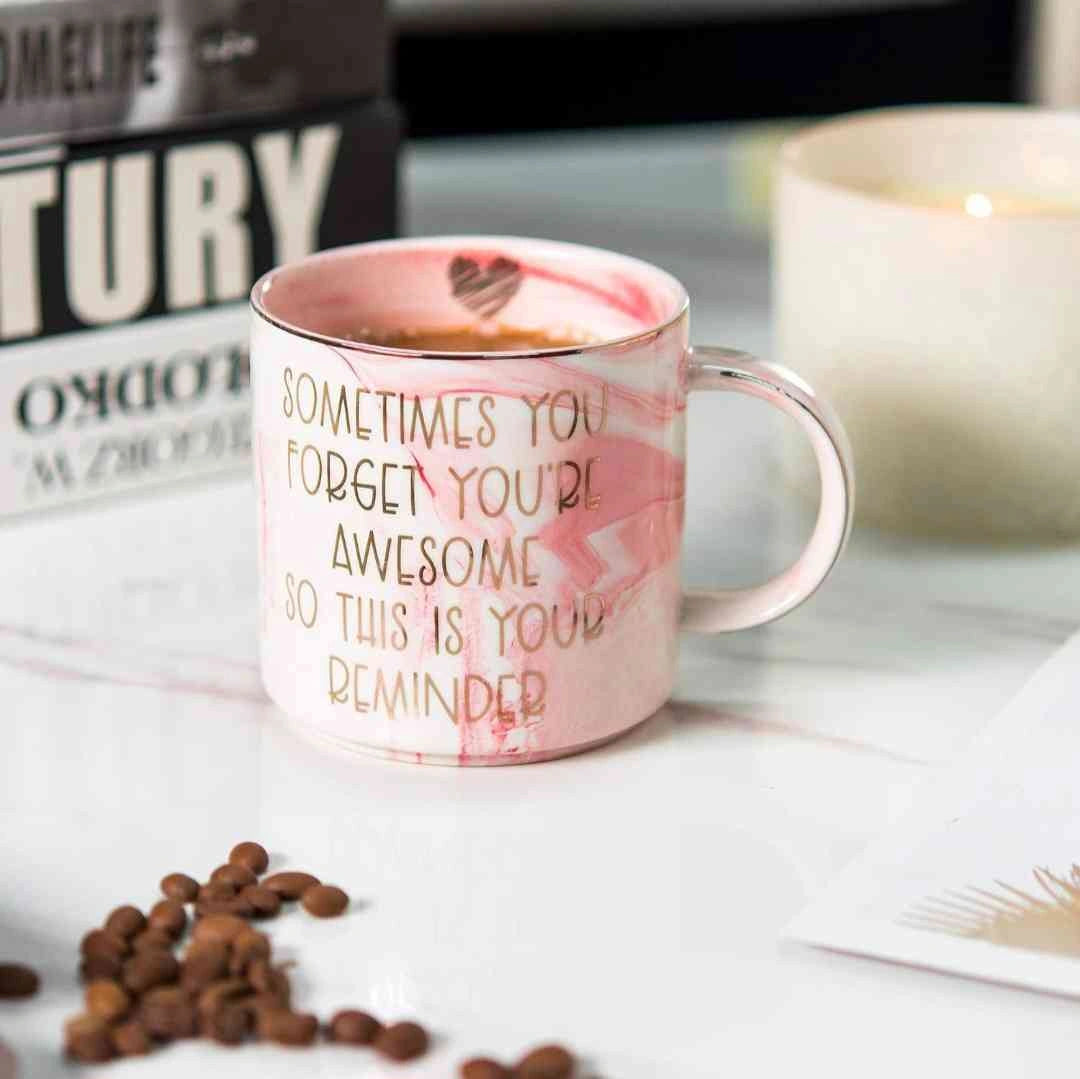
x=927 y=265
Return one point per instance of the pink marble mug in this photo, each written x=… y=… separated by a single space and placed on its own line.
x=473 y=558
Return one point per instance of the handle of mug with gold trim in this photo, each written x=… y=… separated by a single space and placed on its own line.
x=727 y=369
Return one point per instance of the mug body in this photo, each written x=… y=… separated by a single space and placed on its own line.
x=469 y=557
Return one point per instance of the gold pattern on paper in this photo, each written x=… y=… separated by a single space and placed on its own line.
x=1046 y=921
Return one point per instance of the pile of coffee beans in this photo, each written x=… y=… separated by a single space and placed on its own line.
x=545 y=1062
x=196 y=966
x=142 y=991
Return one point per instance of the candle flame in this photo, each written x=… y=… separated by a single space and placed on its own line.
x=978 y=205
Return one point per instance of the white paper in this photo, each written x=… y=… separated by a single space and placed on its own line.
x=953 y=885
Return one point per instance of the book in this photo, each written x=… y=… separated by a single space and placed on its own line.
x=152 y=167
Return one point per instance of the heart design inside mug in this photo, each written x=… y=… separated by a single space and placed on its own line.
x=484 y=290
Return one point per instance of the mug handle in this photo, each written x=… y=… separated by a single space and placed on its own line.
x=728 y=369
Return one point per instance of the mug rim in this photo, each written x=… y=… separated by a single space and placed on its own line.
x=263 y=284
x=796 y=148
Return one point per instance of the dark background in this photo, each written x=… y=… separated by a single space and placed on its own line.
x=485 y=75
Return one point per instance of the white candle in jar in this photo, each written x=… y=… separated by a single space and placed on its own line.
x=926 y=274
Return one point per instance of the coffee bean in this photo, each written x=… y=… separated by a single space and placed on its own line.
x=238 y=876
x=198 y=946
x=224 y=928
x=262 y=1008
x=17 y=981
x=107 y=1000
x=216 y=891
x=483 y=1068
x=203 y=964
x=546 y=1062
x=270 y=981
x=324 y=900
x=290 y=885
x=402 y=1041
x=288 y=1028
x=168 y=1014
x=179 y=886
x=259 y=974
x=150 y=969
x=130 y=1039
x=259 y=1007
x=125 y=922
x=351 y=1027
x=86 y=1038
x=152 y=939
x=101 y=942
x=247 y=947
x=250 y=856
x=263 y=902
x=216 y=996
x=237 y=907
x=229 y=1025
x=95 y=967
x=169 y=915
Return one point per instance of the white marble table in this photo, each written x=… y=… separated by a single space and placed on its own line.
x=627 y=901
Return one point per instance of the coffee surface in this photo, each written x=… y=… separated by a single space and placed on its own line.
x=468 y=339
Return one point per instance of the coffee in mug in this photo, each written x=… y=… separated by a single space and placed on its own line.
x=498 y=338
